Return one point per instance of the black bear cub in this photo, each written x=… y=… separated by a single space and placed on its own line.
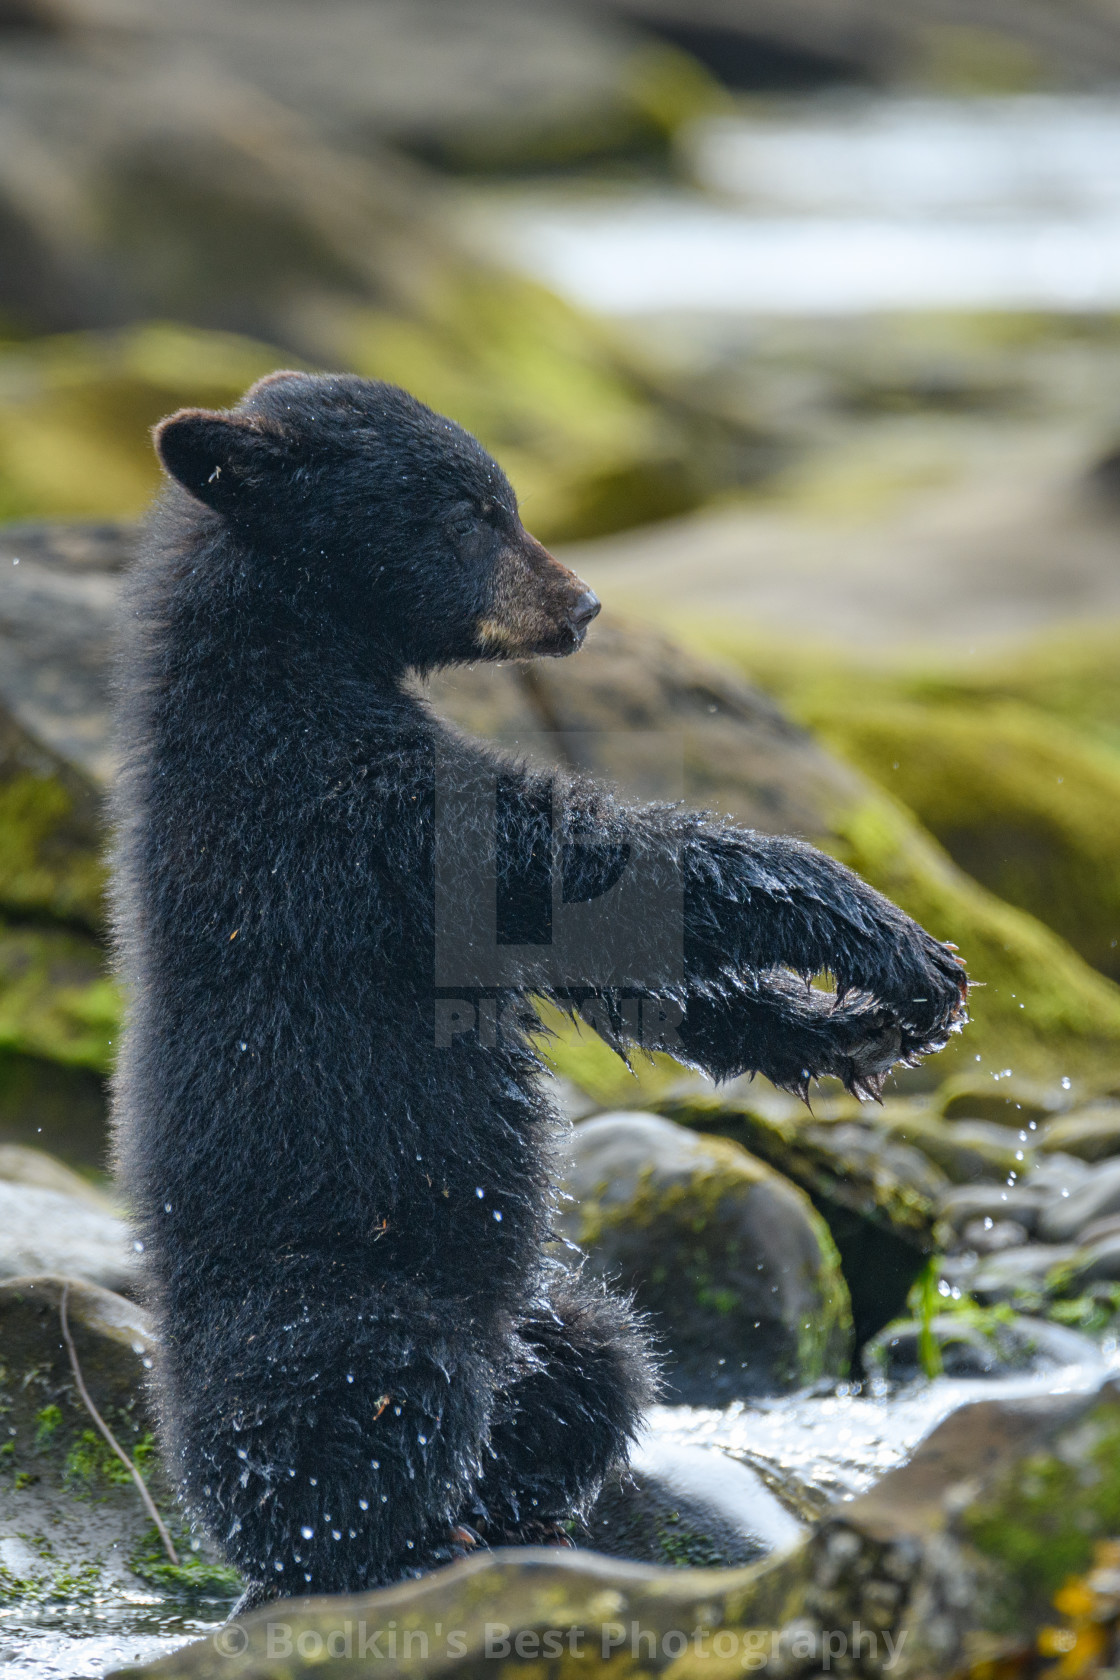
x=370 y=1361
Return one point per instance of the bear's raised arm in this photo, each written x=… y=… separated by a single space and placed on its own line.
x=743 y=921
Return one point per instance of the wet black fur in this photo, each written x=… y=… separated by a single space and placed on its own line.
x=358 y=1355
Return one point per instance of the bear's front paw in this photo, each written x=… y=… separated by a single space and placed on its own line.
x=922 y=982
x=871 y=1038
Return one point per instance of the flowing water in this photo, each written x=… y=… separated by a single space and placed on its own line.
x=844 y=204
x=823 y=1448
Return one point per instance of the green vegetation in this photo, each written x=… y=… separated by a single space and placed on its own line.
x=193 y=1577
x=92 y=1465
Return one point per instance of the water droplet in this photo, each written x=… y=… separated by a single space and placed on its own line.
x=308 y=1533
x=243 y=1045
x=138 y=1246
x=350 y=1376
x=167 y=1207
x=497 y=1216
x=278 y=1566
x=423 y=1440
x=241 y=1453
x=478 y=1190
x=375 y=1464
x=363 y=1504
x=336 y=1534
x=314 y=1481
x=384 y=1499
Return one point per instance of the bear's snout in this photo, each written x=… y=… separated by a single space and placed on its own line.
x=538 y=608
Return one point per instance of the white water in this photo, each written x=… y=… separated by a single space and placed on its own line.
x=835 y=206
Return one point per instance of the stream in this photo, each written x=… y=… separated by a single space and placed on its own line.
x=842 y=204
x=824 y=1447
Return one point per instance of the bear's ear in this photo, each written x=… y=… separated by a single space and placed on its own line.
x=220 y=458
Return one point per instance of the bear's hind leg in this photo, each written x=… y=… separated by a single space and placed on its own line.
x=327 y=1445
x=562 y=1426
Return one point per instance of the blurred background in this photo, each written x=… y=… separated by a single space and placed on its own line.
x=796 y=324
x=796 y=328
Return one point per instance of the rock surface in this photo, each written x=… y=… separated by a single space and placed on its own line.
x=689 y=1506
x=736 y=1270
x=977 y=1347
x=71 y=1522
x=47 y=1231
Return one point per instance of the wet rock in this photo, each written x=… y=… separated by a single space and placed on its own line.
x=1056 y=1175
x=858 y=1178
x=1096 y=1262
x=1017 y=1274
x=1011 y=1102
x=755 y=45
x=1091 y=1134
x=966 y=1151
x=737 y=1271
x=72 y=1526
x=991 y=1236
x=981 y=1345
x=1097 y=1196
x=1107 y=1227
x=20 y=1165
x=689 y=1506
x=46 y=1230
x=964 y=1204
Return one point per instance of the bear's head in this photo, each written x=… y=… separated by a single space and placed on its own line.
x=389 y=513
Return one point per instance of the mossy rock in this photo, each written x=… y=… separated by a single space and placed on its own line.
x=76 y=412
x=51 y=835
x=56 y=1002
x=68 y=1505
x=881 y=1218
x=1023 y=803
x=736 y=1270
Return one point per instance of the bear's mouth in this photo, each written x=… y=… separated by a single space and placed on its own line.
x=539 y=609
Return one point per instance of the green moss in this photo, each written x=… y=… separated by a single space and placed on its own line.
x=49 y=861
x=1041 y=1522
x=76 y=411
x=191 y=1578
x=46 y=1424
x=1022 y=802
x=79 y=1584
x=55 y=999
x=691 y=1217
x=593 y=438
x=91 y=1463
x=1094 y=1313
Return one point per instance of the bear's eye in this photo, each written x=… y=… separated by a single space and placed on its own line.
x=462 y=523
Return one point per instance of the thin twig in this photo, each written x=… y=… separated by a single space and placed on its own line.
x=149 y=1503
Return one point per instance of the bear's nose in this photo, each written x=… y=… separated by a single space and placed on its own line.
x=586 y=608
